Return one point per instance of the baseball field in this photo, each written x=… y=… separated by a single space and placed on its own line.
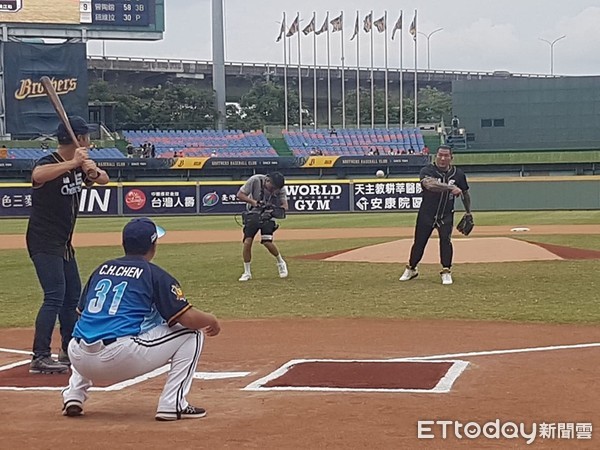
x=514 y=339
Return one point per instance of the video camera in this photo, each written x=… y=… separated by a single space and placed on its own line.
x=262 y=213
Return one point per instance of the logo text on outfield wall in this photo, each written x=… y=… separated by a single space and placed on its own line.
x=32 y=89
x=313 y=197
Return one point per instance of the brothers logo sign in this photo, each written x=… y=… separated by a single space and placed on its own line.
x=318 y=197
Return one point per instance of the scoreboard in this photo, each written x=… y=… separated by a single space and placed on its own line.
x=137 y=13
x=101 y=19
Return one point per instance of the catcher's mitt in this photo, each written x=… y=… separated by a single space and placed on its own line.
x=466 y=224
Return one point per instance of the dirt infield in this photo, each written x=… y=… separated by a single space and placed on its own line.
x=530 y=373
x=15 y=241
x=555 y=386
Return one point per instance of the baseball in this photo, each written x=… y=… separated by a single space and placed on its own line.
x=380 y=174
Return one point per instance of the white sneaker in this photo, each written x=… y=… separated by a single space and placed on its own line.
x=446 y=276
x=245 y=277
x=282 y=268
x=409 y=274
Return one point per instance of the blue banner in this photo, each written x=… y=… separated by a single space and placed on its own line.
x=387 y=196
x=154 y=200
x=96 y=201
x=319 y=197
x=220 y=199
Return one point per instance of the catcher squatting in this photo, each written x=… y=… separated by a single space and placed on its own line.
x=442 y=183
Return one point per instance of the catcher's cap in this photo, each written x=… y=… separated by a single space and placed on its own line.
x=79 y=125
x=277 y=179
x=139 y=235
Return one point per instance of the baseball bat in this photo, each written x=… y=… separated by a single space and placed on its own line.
x=60 y=110
x=58 y=107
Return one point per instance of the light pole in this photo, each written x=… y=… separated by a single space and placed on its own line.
x=428 y=49
x=552 y=51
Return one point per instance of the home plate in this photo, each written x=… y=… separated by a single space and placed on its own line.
x=219 y=375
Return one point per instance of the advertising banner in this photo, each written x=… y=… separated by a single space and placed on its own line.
x=387 y=196
x=28 y=111
x=96 y=201
x=319 y=197
x=325 y=162
x=155 y=200
x=220 y=199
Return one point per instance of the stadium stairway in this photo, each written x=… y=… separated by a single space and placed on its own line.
x=280 y=146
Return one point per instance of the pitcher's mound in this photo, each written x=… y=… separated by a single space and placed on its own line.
x=466 y=250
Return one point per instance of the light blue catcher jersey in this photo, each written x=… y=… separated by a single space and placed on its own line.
x=126 y=297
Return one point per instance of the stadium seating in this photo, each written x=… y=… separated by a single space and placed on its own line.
x=223 y=143
x=36 y=153
x=355 y=142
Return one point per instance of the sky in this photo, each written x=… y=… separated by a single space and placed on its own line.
x=477 y=35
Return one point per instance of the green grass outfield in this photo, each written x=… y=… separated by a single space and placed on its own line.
x=549 y=291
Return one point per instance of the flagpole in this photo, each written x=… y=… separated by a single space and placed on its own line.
x=314 y=21
x=358 y=72
x=386 y=73
x=299 y=75
x=285 y=81
x=416 y=83
x=343 y=75
x=372 y=78
x=401 y=70
x=328 y=75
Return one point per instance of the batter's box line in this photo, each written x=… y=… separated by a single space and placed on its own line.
x=112 y=387
x=442 y=387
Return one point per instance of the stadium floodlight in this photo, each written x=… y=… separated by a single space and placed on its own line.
x=428 y=36
x=551 y=43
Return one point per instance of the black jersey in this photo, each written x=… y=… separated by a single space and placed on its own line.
x=55 y=205
x=439 y=204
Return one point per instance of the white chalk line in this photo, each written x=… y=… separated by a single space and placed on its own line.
x=443 y=386
x=502 y=352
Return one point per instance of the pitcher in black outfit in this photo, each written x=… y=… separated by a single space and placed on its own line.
x=442 y=183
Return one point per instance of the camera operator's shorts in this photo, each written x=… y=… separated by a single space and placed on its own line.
x=267 y=228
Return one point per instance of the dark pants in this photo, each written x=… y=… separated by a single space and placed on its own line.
x=62 y=287
x=423 y=229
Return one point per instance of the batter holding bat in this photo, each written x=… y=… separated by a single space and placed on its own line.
x=58 y=180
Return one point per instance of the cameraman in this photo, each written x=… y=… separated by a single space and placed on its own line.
x=266 y=199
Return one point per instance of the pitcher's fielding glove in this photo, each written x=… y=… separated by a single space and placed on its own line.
x=466 y=224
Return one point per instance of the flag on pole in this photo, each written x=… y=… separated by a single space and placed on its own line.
x=337 y=23
x=355 y=28
x=323 y=28
x=310 y=27
x=413 y=28
x=397 y=26
x=368 y=23
x=281 y=31
x=380 y=24
x=294 y=27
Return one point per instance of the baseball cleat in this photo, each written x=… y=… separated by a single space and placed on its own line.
x=282 y=268
x=45 y=364
x=245 y=277
x=446 y=276
x=72 y=408
x=63 y=358
x=409 y=274
x=191 y=412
